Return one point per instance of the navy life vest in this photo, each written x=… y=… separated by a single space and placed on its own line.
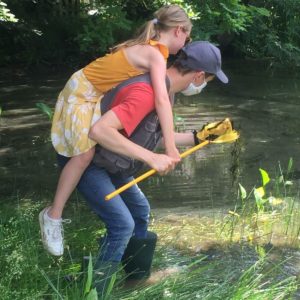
x=147 y=134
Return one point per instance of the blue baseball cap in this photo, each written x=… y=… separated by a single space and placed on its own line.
x=203 y=56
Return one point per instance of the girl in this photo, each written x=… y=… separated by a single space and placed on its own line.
x=78 y=106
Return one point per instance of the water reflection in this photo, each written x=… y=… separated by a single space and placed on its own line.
x=263 y=105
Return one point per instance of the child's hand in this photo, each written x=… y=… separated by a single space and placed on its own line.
x=174 y=154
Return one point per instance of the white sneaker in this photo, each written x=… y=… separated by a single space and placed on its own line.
x=52 y=233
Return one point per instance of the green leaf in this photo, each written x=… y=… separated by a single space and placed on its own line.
x=261 y=10
x=258 y=200
x=260 y=251
x=280 y=179
x=290 y=165
x=265 y=177
x=243 y=192
x=88 y=283
x=0 y=110
x=111 y=285
x=45 y=109
x=5 y=14
x=225 y=7
x=92 y=295
x=260 y=191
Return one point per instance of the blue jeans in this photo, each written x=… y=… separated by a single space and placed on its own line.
x=124 y=216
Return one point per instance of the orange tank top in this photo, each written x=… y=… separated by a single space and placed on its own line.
x=108 y=71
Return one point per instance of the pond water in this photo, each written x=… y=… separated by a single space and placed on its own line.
x=263 y=103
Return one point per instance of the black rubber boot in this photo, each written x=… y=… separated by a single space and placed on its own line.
x=138 y=256
x=104 y=277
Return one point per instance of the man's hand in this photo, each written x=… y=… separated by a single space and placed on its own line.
x=162 y=163
x=174 y=154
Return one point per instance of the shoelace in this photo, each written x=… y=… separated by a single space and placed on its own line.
x=58 y=231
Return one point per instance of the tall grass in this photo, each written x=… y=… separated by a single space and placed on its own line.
x=216 y=281
x=225 y=255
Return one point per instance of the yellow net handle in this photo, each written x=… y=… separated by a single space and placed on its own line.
x=151 y=172
x=227 y=137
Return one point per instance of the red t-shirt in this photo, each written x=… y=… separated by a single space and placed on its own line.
x=132 y=104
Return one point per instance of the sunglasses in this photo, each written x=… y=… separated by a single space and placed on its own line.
x=188 y=39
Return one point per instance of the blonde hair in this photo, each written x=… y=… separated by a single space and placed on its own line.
x=166 y=17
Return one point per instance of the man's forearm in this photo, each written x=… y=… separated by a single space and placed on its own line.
x=112 y=140
x=182 y=139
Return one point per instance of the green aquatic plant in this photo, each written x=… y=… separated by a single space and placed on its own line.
x=45 y=109
x=283 y=181
x=258 y=221
x=243 y=192
x=241 y=216
x=260 y=192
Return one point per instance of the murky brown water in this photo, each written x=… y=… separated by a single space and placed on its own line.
x=263 y=104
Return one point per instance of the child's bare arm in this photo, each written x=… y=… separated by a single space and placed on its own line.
x=163 y=106
x=106 y=132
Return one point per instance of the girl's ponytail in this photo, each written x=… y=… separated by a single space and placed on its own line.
x=167 y=17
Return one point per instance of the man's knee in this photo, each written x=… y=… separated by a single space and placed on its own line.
x=142 y=210
x=122 y=228
x=128 y=227
x=147 y=209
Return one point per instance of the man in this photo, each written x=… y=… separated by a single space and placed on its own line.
x=126 y=216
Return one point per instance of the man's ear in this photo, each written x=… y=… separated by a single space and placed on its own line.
x=199 y=75
x=177 y=30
